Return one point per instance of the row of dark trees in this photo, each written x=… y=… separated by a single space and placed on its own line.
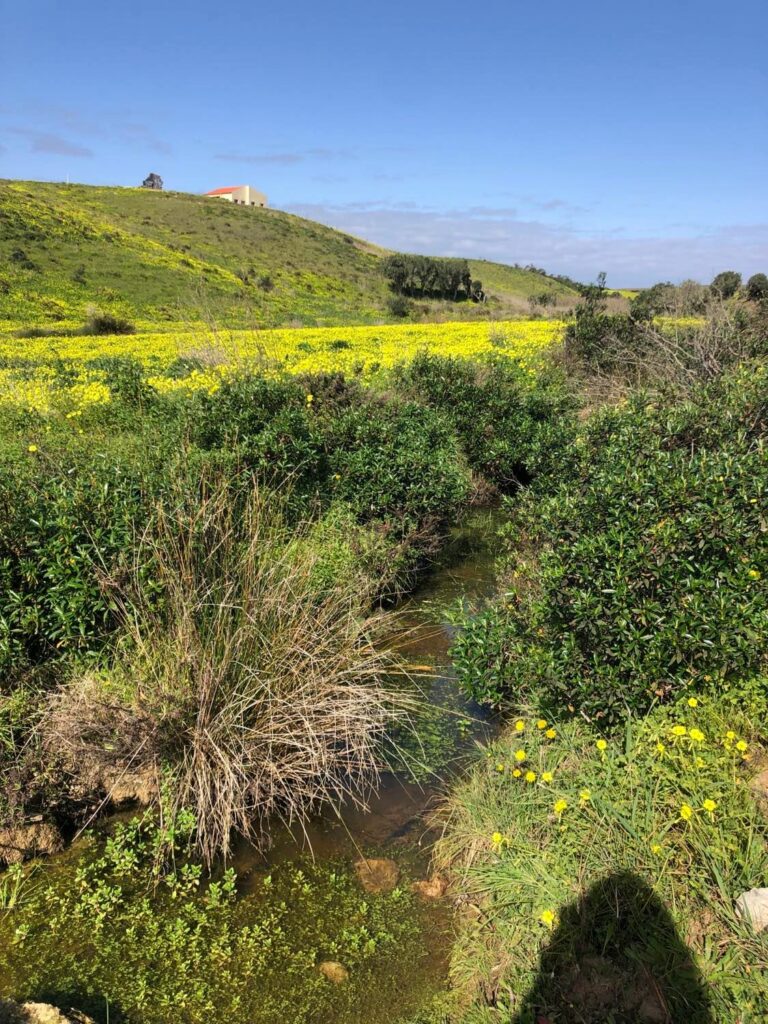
x=426 y=277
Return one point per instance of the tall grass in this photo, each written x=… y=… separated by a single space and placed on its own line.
x=257 y=684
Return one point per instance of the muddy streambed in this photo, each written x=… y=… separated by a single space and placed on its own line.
x=253 y=948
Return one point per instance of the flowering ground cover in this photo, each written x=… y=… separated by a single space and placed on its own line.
x=70 y=374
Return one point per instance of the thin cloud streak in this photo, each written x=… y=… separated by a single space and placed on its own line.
x=493 y=234
x=47 y=142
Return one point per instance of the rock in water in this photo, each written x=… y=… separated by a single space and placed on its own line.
x=35 y=839
x=334 y=971
x=430 y=888
x=753 y=906
x=377 y=874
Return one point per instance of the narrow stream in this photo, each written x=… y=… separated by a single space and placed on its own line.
x=302 y=882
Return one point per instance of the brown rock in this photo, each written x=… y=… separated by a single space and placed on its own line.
x=377 y=874
x=131 y=787
x=38 y=1013
x=334 y=971
x=430 y=888
x=34 y=839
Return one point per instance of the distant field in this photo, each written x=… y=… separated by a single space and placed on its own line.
x=70 y=374
x=163 y=257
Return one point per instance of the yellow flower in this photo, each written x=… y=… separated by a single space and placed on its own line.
x=685 y=812
x=730 y=735
x=585 y=795
x=32 y=448
x=546 y=776
x=519 y=725
x=499 y=767
x=310 y=399
x=754 y=574
x=741 y=745
x=660 y=748
x=548 y=918
x=655 y=848
x=560 y=806
x=601 y=745
x=530 y=776
x=551 y=733
x=692 y=702
x=709 y=805
x=497 y=838
x=517 y=773
x=697 y=735
x=679 y=730
x=519 y=755
x=541 y=723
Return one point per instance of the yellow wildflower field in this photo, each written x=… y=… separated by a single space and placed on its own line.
x=182 y=360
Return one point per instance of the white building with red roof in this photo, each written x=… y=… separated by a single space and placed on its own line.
x=242 y=195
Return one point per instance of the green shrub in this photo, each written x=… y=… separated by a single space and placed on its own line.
x=757 y=287
x=726 y=283
x=513 y=426
x=653 y=561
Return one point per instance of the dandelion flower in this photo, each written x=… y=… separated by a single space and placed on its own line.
x=530 y=776
x=754 y=574
x=585 y=795
x=742 y=746
x=541 y=723
x=551 y=733
x=730 y=735
x=548 y=918
x=560 y=806
x=519 y=755
x=517 y=773
x=660 y=748
x=709 y=805
x=497 y=838
x=692 y=702
x=310 y=399
x=499 y=767
x=32 y=448
x=519 y=725
x=601 y=745
x=546 y=776
x=685 y=812
x=679 y=730
x=697 y=735
x=655 y=848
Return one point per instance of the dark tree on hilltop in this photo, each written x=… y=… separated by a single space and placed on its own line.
x=153 y=181
x=757 y=287
x=726 y=284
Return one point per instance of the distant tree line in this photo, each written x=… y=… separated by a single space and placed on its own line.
x=690 y=298
x=427 y=277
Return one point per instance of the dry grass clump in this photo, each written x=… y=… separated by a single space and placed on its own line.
x=259 y=690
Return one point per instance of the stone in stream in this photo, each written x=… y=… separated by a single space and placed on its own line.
x=29 y=839
x=753 y=906
x=38 y=1013
x=430 y=888
x=334 y=971
x=377 y=874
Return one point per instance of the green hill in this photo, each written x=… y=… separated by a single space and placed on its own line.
x=171 y=256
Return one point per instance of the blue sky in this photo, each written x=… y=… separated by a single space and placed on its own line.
x=577 y=136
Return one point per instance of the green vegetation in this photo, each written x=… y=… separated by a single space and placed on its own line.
x=145 y=255
x=428 y=277
x=126 y=936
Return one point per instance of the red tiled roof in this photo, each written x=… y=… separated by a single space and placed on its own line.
x=223 y=191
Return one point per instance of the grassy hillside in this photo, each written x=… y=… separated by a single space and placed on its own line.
x=169 y=256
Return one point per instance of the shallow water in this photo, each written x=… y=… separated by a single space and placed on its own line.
x=127 y=965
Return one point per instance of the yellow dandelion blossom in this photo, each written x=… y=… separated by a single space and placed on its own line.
x=520 y=755
x=517 y=773
x=679 y=730
x=530 y=776
x=32 y=448
x=686 y=811
x=541 y=723
x=601 y=745
x=560 y=806
x=551 y=733
x=499 y=767
x=692 y=702
x=585 y=795
x=709 y=805
x=547 y=918
x=519 y=725
x=655 y=848
x=741 y=746
x=546 y=776
x=696 y=734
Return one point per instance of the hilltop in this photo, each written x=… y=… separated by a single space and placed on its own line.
x=168 y=256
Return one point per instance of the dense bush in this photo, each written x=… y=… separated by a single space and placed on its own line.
x=652 y=570
x=757 y=287
x=726 y=283
x=513 y=426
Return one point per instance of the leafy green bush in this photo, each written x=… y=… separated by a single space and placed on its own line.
x=653 y=561
x=513 y=426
